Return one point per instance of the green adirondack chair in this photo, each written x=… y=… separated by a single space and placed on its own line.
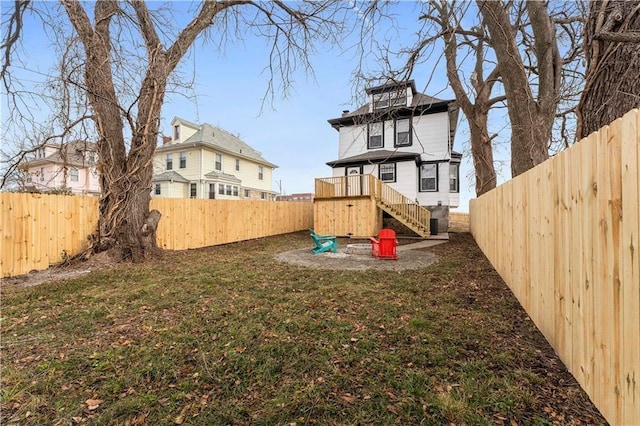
x=324 y=243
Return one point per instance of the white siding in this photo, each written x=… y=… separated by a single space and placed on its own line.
x=430 y=135
x=442 y=195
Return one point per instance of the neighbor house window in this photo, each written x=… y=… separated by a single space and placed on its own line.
x=388 y=172
x=73 y=175
x=183 y=159
x=260 y=172
x=169 y=161
x=229 y=190
x=41 y=173
x=403 y=132
x=237 y=165
x=429 y=177
x=218 y=162
x=235 y=191
x=220 y=189
x=158 y=190
x=212 y=191
x=29 y=178
x=376 y=138
x=176 y=132
x=263 y=195
x=192 y=190
x=454 y=177
x=246 y=193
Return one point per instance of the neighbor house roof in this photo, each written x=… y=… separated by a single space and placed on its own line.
x=170 y=175
x=70 y=154
x=218 y=139
x=222 y=176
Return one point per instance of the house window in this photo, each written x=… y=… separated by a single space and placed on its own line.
x=387 y=172
x=218 y=165
x=73 y=175
x=176 y=132
x=398 y=98
x=29 y=178
x=158 y=190
x=212 y=191
x=429 y=177
x=376 y=137
x=237 y=165
x=235 y=191
x=183 y=159
x=263 y=195
x=403 y=132
x=169 y=161
x=220 y=189
x=381 y=100
x=246 y=193
x=389 y=99
x=192 y=190
x=260 y=173
x=229 y=190
x=41 y=173
x=454 y=177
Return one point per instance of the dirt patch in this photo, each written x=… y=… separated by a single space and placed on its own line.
x=343 y=260
x=59 y=272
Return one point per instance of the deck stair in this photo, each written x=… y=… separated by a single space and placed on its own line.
x=405 y=210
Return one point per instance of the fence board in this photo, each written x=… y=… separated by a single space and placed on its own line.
x=630 y=269
x=571 y=244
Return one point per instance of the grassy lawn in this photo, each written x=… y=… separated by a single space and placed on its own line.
x=227 y=335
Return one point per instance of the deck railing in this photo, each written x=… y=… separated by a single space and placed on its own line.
x=400 y=206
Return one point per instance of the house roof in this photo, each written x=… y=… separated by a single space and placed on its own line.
x=169 y=175
x=222 y=176
x=185 y=122
x=380 y=156
x=70 y=154
x=421 y=104
x=218 y=139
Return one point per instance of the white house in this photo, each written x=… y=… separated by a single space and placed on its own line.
x=405 y=139
x=67 y=168
x=203 y=161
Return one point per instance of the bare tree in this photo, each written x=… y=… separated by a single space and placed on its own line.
x=125 y=109
x=531 y=114
x=612 y=46
x=475 y=101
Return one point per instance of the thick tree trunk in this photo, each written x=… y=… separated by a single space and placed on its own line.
x=531 y=117
x=612 y=85
x=477 y=113
x=126 y=225
x=482 y=152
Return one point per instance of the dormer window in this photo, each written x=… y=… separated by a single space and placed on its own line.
x=376 y=136
x=176 y=132
x=390 y=99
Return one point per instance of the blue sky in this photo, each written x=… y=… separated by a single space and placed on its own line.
x=291 y=132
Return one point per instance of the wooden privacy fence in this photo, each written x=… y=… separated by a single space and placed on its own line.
x=565 y=238
x=458 y=222
x=39 y=230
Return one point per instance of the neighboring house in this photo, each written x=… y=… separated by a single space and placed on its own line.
x=67 y=168
x=203 y=161
x=303 y=196
x=405 y=139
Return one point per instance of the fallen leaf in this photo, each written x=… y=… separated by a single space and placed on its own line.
x=93 y=404
x=347 y=397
